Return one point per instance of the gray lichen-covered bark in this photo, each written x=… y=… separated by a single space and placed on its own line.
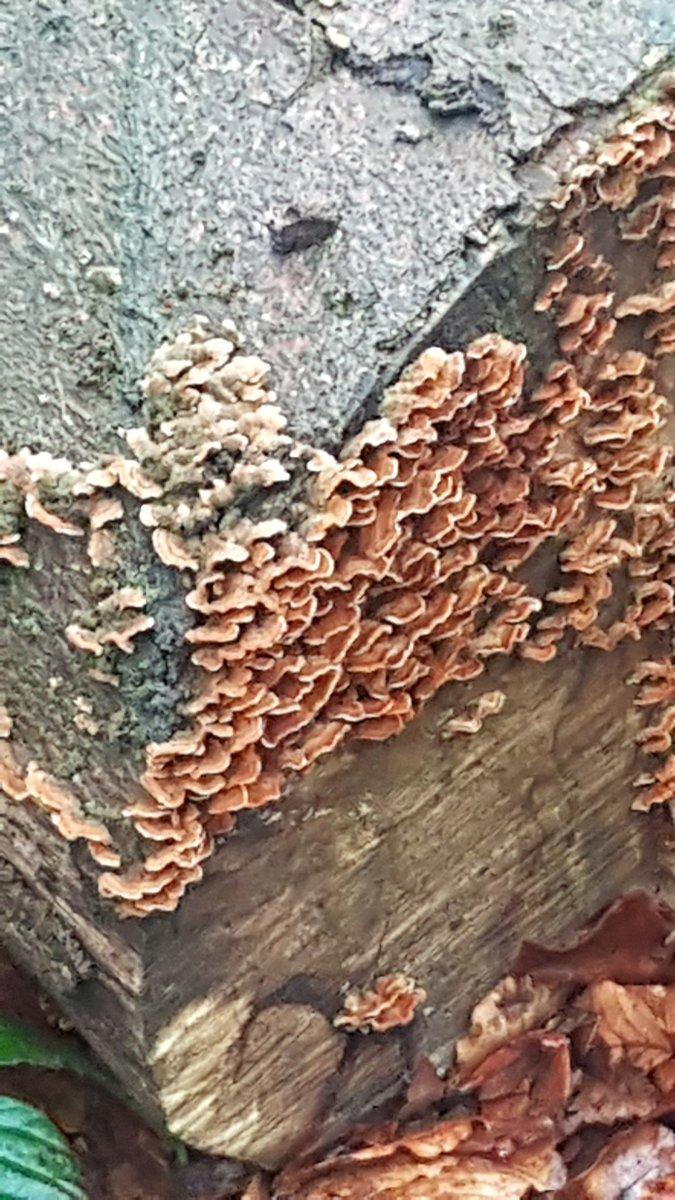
x=348 y=183
x=154 y=152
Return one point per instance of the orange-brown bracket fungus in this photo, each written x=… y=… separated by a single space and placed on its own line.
x=390 y=1003
x=332 y=596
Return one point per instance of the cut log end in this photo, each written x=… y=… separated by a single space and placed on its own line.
x=245 y=1085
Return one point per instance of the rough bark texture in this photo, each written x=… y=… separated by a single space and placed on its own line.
x=348 y=184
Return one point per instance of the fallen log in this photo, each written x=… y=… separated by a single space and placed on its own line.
x=347 y=204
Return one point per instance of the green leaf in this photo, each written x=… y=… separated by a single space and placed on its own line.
x=21 y=1046
x=35 y=1159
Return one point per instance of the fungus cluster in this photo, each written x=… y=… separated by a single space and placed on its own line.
x=398 y=580
x=115 y=621
x=389 y=1004
x=564 y=1084
x=656 y=693
x=65 y=499
x=63 y=809
x=617 y=450
x=334 y=596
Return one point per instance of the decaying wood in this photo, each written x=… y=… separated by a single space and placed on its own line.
x=425 y=856
x=482 y=831
x=420 y=855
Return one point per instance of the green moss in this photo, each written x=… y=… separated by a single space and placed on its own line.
x=156 y=469
x=102 y=582
x=72 y=760
x=100 y=368
x=340 y=301
x=11 y=509
x=55 y=492
x=157 y=409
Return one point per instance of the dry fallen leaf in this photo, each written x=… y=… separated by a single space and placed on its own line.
x=637 y=1024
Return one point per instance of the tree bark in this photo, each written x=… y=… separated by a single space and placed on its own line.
x=349 y=185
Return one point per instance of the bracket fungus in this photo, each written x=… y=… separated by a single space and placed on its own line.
x=332 y=596
x=389 y=1004
x=110 y=623
x=62 y=807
